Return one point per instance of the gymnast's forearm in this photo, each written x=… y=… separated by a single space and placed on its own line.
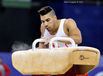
x=77 y=39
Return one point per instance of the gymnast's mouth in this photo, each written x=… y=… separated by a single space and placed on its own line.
x=47 y=28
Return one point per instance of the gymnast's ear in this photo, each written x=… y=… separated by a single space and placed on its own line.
x=55 y=17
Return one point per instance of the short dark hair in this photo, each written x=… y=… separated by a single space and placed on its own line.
x=45 y=10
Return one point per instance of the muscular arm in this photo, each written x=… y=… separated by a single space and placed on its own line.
x=41 y=44
x=44 y=44
x=72 y=31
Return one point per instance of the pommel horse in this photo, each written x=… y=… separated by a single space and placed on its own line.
x=54 y=61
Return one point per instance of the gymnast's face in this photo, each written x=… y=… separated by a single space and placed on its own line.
x=48 y=21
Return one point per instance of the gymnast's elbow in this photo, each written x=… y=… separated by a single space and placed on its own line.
x=78 y=40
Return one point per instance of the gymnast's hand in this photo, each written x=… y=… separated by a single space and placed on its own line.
x=47 y=39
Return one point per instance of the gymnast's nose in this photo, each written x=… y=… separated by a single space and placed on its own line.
x=46 y=24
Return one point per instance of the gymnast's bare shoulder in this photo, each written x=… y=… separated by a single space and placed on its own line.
x=72 y=31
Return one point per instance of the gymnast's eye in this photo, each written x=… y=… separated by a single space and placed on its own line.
x=48 y=19
x=42 y=21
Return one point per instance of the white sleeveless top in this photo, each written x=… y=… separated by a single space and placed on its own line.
x=60 y=33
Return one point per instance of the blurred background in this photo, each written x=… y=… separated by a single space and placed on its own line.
x=20 y=25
